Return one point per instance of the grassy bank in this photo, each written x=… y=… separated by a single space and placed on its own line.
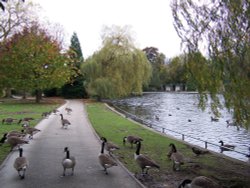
x=114 y=127
x=18 y=109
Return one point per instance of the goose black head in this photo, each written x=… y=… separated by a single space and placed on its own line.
x=103 y=139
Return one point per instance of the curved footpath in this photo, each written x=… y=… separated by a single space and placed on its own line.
x=45 y=153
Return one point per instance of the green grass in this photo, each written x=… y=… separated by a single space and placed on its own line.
x=18 y=110
x=114 y=127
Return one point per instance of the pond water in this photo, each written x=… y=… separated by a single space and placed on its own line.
x=179 y=112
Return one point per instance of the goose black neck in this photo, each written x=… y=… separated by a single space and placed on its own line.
x=102 y=149
x=67 y=154
x=173 y=148
x=3 y=138
x=20 y=152
x=138 y=147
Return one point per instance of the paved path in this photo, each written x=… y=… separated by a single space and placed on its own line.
x=45 y=153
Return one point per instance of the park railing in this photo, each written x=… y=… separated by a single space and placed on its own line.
x=166 y=130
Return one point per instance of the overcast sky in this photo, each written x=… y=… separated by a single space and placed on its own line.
x=150 y=20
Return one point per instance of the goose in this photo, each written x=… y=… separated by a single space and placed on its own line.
x=31 y=131
x=176 y=157
x=199 y=182
x=68 y=162
x=109 y=146
x=214 y=119
x=226 y=147
x=45 y=114
x=55 y=111
x=131 y=139
x=143 y=161
x=65 y=122
x=234 y=124
x=8 y=120
x=26 y=119
x=13 y=141
x=68 y=110
x=105 y=160
x=21 y=164
x=198 y=151
x=157 y=118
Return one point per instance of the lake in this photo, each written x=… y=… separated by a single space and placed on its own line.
x=179 y=112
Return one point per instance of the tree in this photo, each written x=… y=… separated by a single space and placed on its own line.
x=157 y=61
x=75 y=89
x=2 y=5
x=16 y=16
x=32 y=61
x=222 y=28
x=119 y=68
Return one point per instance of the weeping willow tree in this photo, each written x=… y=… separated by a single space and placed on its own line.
x=118 y=68
x=220 y=29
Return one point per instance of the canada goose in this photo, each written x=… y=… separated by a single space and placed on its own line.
x=198 y=151
x=214 y=119
x=65 y=122
x=225 y=147
x=68 y=162
x=68 y=110
x=55 y=111
x=143 y=161
x=8 y=120
x=200 y=181
x=13 y=141
x=45 y=114
x=31 y=131
x=26 y=119
x=109 y=146
x=105 y=160
x=21 y=163
x=233 y=124
x=176 y=157
x=131 y=139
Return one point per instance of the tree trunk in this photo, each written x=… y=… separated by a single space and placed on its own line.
x=8 y=93
x=38 y=95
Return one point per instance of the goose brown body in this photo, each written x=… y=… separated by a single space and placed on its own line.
x=31 y=131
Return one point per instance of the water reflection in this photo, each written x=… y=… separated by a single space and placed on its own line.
x=179 y=112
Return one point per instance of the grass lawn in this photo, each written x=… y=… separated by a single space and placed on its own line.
x=114 y=127
x=18 y=109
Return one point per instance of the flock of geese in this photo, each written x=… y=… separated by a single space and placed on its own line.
x=146 y=163
x=16 y=139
